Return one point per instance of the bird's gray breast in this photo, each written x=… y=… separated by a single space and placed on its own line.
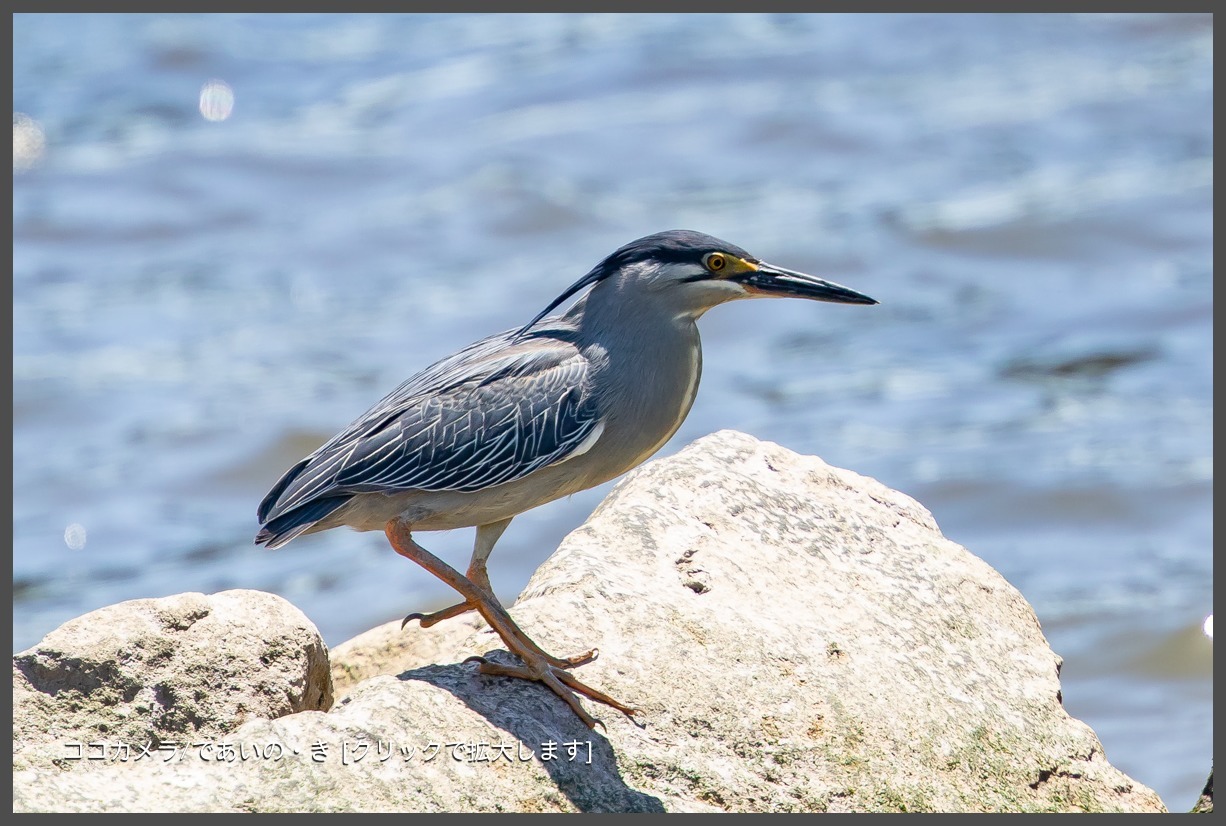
x=645 y=390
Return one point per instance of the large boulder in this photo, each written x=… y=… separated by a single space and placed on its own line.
x=798 y=637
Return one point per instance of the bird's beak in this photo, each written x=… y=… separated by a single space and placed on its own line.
x=768 y=280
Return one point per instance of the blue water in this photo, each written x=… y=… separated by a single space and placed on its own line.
x=198 y=304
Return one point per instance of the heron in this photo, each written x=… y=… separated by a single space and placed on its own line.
x=523 y=417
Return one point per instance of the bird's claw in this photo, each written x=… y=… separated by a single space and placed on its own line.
x=437 y=616
x=558 y=680
x=573 y=662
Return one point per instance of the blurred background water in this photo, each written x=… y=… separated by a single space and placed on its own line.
x=232 y=234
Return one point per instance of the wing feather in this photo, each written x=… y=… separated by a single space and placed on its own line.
x=491 y=414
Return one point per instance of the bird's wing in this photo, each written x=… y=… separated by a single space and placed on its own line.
x=490 y=414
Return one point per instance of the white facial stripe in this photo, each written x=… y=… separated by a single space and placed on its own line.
x=681 y=272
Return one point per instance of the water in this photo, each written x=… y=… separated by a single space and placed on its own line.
x=198 y=303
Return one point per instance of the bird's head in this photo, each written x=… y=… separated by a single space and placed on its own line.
x=690 y=273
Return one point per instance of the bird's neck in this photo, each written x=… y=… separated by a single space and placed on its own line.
x=646 y=364
x=647 y=336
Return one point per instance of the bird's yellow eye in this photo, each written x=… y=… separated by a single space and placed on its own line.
x=716 y=261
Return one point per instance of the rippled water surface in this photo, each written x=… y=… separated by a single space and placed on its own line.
x=198 y=303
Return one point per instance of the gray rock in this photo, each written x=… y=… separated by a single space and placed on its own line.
x=391 y=649
x=799 y=638
x=148 y=671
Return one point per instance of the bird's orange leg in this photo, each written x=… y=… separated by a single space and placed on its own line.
x=538 y=665
x=477 y=576
x=486 y=537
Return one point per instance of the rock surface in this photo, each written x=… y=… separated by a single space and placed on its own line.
x=149 y=671
x=391 y=649
x=798 y=637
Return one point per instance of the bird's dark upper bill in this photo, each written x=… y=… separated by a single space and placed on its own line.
x=772 y=280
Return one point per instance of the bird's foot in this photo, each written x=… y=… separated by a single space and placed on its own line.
x=542 y=669
x=522 y=646
x=428 y=620
x=438 y=616
x=538 y=665
x=477 y=576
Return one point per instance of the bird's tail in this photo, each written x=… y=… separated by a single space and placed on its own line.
x=276 y=532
